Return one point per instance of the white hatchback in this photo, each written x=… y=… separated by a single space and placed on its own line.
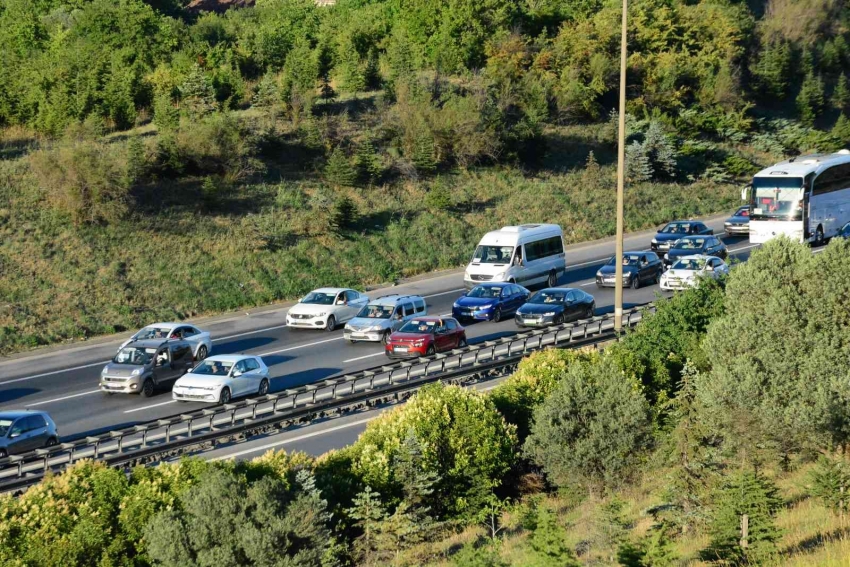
x=688 y=270
x=219 y=379
x=325 y=308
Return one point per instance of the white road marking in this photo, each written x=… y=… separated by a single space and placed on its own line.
x=301 y=346
x=264 y=448
x=571 y=266
x=443 y=293
x=62 y=398
x=362 y=357
x=53 y=372
x=152 y=406
x=743 y=248
x=586 y=284
x=250 y=333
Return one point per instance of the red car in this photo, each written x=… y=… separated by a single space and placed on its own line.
x=425 y=336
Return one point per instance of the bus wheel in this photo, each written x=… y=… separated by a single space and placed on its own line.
x=819 y=236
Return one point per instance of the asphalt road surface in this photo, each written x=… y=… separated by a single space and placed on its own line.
x=64 y=382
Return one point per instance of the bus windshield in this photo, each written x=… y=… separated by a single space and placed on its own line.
x=777 y=198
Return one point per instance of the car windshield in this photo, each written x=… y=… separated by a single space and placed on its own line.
x=691 y=244
x=319 y=298
x=376 y=312
x=493 y=254
x=419 y=326
x=5 y=424
x=213 y=368
x=136 y=356
x=549 y=297
x=692 y=264
x=485 y=292
x=152 y=333
x=777 y=197
x=742 y=212
x=676 y=228
x=628 y=260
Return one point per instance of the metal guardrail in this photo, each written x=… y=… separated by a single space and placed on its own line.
x=203 y=429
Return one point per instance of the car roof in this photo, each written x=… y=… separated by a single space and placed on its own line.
x=494 y=284
x=169 y=325
x=153 y=343
x=696 y=236
x=698 y=257
x=229 y=357
x=394 y=299
x=560 y=289
x=15 y=414
x=332 y=289
x=683 y=221
x=430 y=318
x=638 y=252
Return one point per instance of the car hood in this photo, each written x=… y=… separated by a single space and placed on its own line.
x=738 y=220
x=368 y=322
x=540 y=308
x=312 y=309
x=676 y=252
x=199 y=380
x=683 y=274
x=467 y=301
x=121 y=370
x=607 y=270
x=410 y=336
x=665 y=237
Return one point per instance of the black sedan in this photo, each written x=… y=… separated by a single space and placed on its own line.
x=673 y=231
x=638 y=268
x=555 y=305
x=690 y=245
x=739 y=223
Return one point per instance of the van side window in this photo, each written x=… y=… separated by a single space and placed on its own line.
x=420 y=306
x=543 y=248
x=408 y=309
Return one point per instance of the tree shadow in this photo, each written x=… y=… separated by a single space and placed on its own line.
x=817 y=541
x=16 y=393
x=354 y=107
x=242 y=345
x=301 y=378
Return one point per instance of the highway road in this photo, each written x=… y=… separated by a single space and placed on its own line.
x=64 y=382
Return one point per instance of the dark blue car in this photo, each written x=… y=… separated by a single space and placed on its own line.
x=490 y=302
x=673 y=231
x=555 y=305
x=638 y=268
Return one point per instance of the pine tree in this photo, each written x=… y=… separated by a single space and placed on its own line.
x=655 y=549
x=841 y=130
x=369 y=164
x=752 y=496
x=548 y=540
x=771 y=70
x=472 y=555
x=831 y=483
x=810 y=101
x=166 y=116
x=424 y=156
x=660 y=150
x=339 y=170
x=136 y=160
x=344 y=213
x=369 y=514
x=841 y=94
x=638 y=166
x=267 y=93
x=612 y=523
x=197 y=97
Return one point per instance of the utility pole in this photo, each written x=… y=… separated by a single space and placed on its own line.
x=621 y=174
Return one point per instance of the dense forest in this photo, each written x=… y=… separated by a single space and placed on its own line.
x=271 y=149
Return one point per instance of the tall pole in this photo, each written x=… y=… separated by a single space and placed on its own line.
x=621 y=174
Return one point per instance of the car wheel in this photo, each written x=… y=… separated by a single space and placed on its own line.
x=331 y=324
x=819 y=236
x=202 y=353
x=385 y=338
x=635 y=282
x=51 y=442
x=431 y=351
x=462 y=343
x=553 y=279
x=497 y=316
x=148 y=388
x=264 y=387
x=657 y=279
x=590 y=311
x=559 y=319
x=224 y=397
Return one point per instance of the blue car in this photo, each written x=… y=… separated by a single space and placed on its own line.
x=490 y=302
x=673 y=231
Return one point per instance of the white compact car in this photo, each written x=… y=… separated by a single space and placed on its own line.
x=326 y=308
x=687 y=271
x=219 y=379
x=198 y=339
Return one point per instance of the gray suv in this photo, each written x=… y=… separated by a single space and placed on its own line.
x=379 y=318
x=140 y=367
x=22 y=431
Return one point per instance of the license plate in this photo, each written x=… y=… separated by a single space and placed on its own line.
x=400 y=349
x=532 y=320
x=358 y=335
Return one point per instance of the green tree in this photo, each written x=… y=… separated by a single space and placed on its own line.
x=750 y=495
x=339 y=170
x=593 y=429
x=638 y=165
x=438 y=197
x=810 y=101
x=267 y=93
x=840 y=99
x=771 y=70
x=655 y=549
x=370 y=516
x=547 y=541
x=473 y=555
x=197 y=96
x=369 y=165
x=830 y=483
x=344 y=213
x=841 y=129
x=166 y=115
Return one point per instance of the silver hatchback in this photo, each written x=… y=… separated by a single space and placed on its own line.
x=379 y=318
x=23 y=431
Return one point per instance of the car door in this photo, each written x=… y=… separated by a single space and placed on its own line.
x=37 y=433
x=571 y=307
x=181 y=359
x=453 y=333
x=191 y=335
x=442 y=337
x=18 y=437
x=163 y=370
x=251 y=377
x=353 y=304
x=240 y=378
x=507 y=299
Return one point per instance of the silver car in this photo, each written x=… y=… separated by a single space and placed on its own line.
x=379 y=318
x=23 y=431
x=200 y=340
x=143 y=366
x=688 y=271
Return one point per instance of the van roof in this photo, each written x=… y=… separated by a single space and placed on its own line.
x=510 y=235
x=394 y=299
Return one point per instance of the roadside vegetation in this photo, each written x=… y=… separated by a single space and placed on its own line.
x=730 y=402
x=160 y=163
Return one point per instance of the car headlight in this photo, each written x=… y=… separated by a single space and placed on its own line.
x=103 y=372
x=667 y=256
x=136 y=372
x=485 y=307
x=549 y=314
x=419 y=343
x=322 y=314
x=599 y=274
x=655 y=241
x=374 y=328
x=498 y=277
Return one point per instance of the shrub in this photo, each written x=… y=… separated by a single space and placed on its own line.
x=86 y=179
x=344 y=213
x=217 y=144
x=593 y=429
x=339 y=170
x=830 y=483
x=465 y=443
x=438 y=197
x=536 y=377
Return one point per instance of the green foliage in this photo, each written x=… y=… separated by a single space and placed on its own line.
x=830 y=483
x=656 y=351
x=369 y=515
x=840 y=99
x=474 y=555
x=197 y=96
x=439 y=197
x=547 y=540
x=224 y=520
x=752 y=494
x=810 y=101
x=841 y=129
x=344 y=213
x=772 y=70
x=340 y=170
x=85 y=179
x=465 y=443
x=592 y=429
x=536 y=377
x=652 y=550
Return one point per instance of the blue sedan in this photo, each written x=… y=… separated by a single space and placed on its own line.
x=490 y=302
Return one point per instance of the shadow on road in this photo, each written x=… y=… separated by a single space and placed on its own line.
x=16 y=393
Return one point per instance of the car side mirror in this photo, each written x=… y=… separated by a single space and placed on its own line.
x=14 y=434
x=340 y=302
x=237 y=373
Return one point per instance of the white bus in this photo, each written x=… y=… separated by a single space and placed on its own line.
x=526 y=255
x=805 y=198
